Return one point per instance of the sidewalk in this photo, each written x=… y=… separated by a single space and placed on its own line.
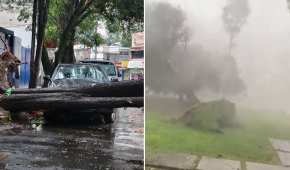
x=282 y=147
x=191 y=162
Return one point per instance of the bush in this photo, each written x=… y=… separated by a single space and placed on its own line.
x=213 y=115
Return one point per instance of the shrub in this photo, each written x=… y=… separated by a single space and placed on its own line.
x=213 y=115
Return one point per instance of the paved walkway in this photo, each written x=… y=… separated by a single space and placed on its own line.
x=190 y=162
x=282 y=147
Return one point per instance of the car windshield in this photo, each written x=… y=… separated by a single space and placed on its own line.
x=86 y=72
x=109 y=68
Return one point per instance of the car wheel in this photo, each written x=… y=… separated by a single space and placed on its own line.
x=110 y=117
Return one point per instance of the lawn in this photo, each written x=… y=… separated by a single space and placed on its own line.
x=249 y=141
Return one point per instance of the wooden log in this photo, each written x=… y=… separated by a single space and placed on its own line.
x=34 y=96
x=112 y=89
x=70 y=102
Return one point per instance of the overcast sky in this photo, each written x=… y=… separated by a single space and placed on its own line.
x=262 y=48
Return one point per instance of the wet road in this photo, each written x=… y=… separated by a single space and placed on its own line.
x=116 y=146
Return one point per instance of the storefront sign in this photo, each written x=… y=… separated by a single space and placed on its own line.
x=136 y=64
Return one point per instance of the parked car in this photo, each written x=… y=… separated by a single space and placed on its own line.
x=108 y=66
x=79 y=75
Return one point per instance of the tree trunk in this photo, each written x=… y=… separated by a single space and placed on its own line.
x=114 y=89
x=33 y=32
x=65 y=52
x=47 y=64
x=41 y=24
x=108 y=95
x=71 y=103
x=231 y=41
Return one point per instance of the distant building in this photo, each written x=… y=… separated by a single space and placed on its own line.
x=114 y=53
x=137 y=49
x=8 y=37
x=23 y=54
x=133 y=68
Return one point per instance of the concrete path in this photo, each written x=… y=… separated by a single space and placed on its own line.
x=259 y=166
x=284 y=158
x=282 y=147
x=173 y=161
x=207 y=163
x=190 y=162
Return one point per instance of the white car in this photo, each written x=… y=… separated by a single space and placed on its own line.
x=109 y=68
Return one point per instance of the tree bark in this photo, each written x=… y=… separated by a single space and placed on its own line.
x=47 y=64
x=113 y=89
x=33 y=32
x=75 y=12
x=70 y=103
x=231 y=41
x=109 y=95
x=41 y=24
x=65 y=52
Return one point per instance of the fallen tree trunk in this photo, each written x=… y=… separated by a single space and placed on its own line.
x=105 y=95
x=35 y=96
x=112 y=89
x=71 y=103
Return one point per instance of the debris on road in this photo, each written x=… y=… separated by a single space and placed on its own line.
x=11 y=129
x=4 y=116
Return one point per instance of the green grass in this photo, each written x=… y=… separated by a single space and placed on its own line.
x=249 y=141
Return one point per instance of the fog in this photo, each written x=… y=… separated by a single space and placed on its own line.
x=261 y=50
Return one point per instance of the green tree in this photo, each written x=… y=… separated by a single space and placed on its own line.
x=42 y=13
x=124 y=12
x=69 y=21
x=164 y=31
x=235 y=14
x=176 y=64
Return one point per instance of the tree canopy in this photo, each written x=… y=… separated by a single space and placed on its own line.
x=235 y=14
x=176 y=64
x=69 y=21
